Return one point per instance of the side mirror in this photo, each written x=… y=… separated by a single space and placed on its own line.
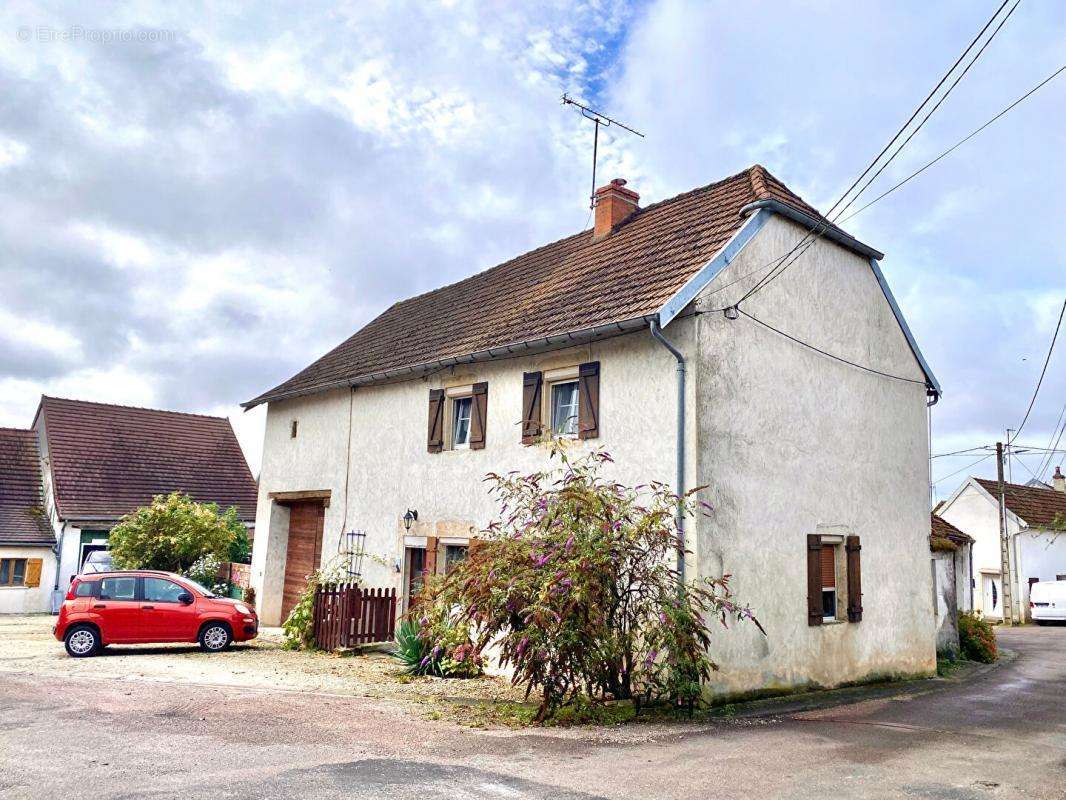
x=185 y=599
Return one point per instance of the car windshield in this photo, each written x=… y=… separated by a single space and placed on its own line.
x=199 y=588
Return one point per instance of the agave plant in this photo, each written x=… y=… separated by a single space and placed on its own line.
x=412 y=650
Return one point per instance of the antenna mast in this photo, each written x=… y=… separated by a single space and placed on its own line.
x=598 y=119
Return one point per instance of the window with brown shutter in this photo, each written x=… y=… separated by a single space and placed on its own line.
x=532 y=383
x=479 y=417
x=853 y=549
x=435 y=439
x=814 y=579
x=33 y=572
x=589 y=400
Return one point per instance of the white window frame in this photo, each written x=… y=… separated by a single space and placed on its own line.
x=837 y=543
x=453 y=395
x=552 y=379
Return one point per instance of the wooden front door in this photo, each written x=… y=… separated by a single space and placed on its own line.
x=304 y=550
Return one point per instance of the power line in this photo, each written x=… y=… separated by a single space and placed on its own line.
x=1043 y=372
x=920 y=106
x=822 y=228
x=964 y=469
x=828 y=354
x=1046 y=465
x=963 y=141
x=961 y=452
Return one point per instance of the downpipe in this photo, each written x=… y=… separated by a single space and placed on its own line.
x=679 y=489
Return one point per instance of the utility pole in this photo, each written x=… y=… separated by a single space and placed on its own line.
x=1006 y=587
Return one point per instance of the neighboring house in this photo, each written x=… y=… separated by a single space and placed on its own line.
x=1037 y=552
x=98 y=462
x=817 y=469
x=26 y=538
x=952 y=592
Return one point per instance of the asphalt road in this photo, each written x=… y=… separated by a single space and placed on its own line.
x=1000 y=734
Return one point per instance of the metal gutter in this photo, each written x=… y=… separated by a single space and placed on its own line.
x=679 y=488
x=831 y=232
x=722 y=259
x=930 y=378
x=539 y=344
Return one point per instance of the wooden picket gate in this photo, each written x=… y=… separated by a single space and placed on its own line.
x=346 y=615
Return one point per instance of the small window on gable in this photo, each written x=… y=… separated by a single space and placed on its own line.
x=564 y=408
x=292 y=429
x=834 y=584
x=462 y=408
x=829 y=582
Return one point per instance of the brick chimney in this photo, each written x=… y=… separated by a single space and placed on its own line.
x=1058 y=480
x=614 y=203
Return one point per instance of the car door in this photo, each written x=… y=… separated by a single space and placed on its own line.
x=117 y=609
x=165 y=616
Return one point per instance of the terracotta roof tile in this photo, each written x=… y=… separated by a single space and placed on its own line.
x=571 y=285
x=22 y=520
x=1036 y=506
x=108 y=460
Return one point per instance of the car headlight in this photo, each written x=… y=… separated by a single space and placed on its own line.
x=242 y=608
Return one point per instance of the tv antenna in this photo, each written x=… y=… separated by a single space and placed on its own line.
x=598 y=119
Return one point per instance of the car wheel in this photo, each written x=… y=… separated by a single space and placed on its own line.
x=82 y=641
x=215 y=637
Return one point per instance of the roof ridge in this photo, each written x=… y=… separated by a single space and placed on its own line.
x=4 y=428
x=1008 y=484
x=132 y=408
x=757 y=175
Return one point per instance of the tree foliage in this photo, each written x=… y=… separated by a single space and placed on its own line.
x=574 y=584
x=172 y=533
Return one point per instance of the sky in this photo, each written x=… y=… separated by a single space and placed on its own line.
x=198 y=200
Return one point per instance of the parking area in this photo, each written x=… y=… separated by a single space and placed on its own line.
x=27 y=646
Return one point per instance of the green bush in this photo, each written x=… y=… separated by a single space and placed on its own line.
x=240 y=551
x=574 y=583
x=977 y=639
x=172 y=533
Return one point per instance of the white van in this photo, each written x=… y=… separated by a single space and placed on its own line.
x=1047 y=601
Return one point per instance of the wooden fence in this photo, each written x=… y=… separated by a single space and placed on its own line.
x=346 y=615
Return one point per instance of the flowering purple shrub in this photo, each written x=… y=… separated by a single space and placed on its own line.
x=574 y=584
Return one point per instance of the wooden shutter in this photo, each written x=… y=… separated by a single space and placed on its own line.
x=829 y=567
x=814 y=579
x=431 y=555
x=853 y=548
x=33 y=572
x=435 y=441
x=479 y=408
x=532 y=382
x=588 y=414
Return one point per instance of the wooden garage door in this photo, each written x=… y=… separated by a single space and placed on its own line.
x=304 y=550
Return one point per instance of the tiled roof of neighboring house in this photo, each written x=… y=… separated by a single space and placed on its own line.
x=22 y=517
x=942 y=531
x=108 y=460
x=572 y=285
x=1036 y=506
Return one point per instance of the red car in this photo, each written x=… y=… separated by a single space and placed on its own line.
x=139 y=606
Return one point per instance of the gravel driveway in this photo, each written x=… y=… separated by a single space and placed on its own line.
x=1001 y=734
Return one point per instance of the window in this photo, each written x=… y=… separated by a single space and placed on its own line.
x=453 y=554
x=564 y=408
x=461 y=411
x=12 y=572
x=292 y=429
x=829 y=582
x=160 y=590
x=1060 y=577
x=118 y=589
x=85 y=589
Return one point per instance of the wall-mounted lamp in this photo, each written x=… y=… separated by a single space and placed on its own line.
x=409 y=519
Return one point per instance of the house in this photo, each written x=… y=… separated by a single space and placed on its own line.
x=83 y=466
x=952 y=591
x=803 y=415
x=1037 y=551
x=26 y=540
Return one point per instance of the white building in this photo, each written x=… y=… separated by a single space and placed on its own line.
x=1037 y=552
x=952 y=556
x=93 y=463
x=804 y=417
